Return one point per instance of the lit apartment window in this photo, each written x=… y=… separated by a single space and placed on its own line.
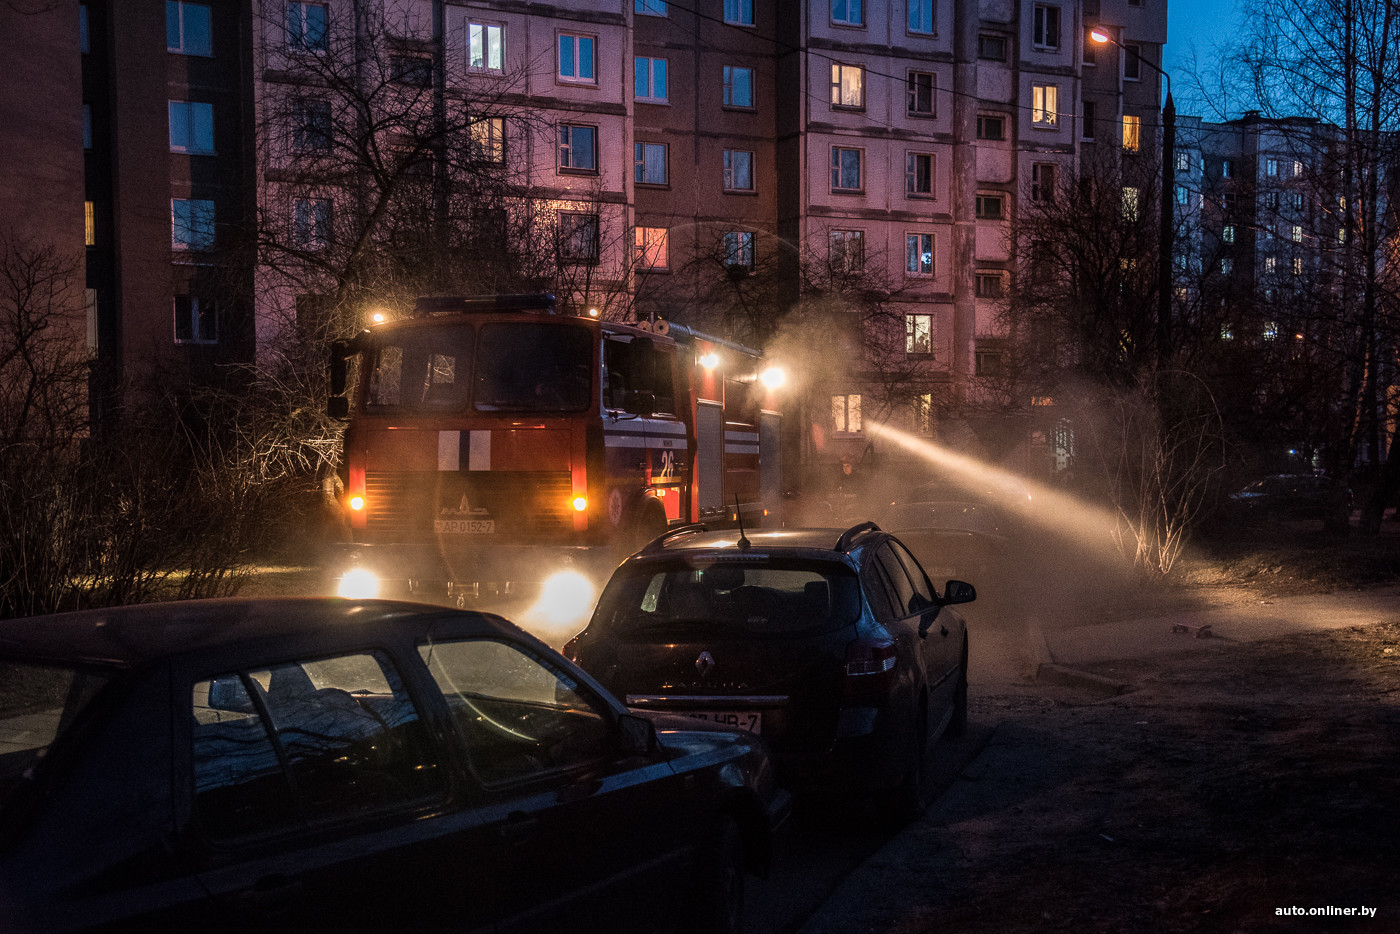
x=1227 y=265
x=488 y=139
x=918 y=174
x=195 y=320
x=1132 y=61
x=1183 y=195
x=192 y=127
x=738 y=249
x=846 y=250
x=738 y=12
x=1227 y=333
x=989 y=284
x=1043 y=181
x=847 y=85
x=847 y=12
x=578 y=237
x=187 y=28
x=1227 y=168
x=1130 y=203
x=1271 y=264
x=651 y=79
x=1270 y=330
x=1295 y=198
x=921 y=85
x=650 y=163
x=991 y=126
x=1132 y=133
x=991 y=207
x=306 y=27
x=918 y=334
x=89 y=223
x=1297 y=265
x=991 y=48
x=311 y=125
x=311 y=223
x=485 y=47
x=578 y=148
x=918 y=254
x=649 y=7
x=845 y=414
x=1271 y=167
x=652 y=248
x=846 y=169
x=1183 y=161
x=576 y=59
x=1227 y=233
x=1046 y=30
x=192 y=224
x=738 y=86
x=921 y=17
x=738 y=170
x=923 y=413
x=1045 y=105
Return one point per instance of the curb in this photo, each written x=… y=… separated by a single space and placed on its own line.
x=1048 y=672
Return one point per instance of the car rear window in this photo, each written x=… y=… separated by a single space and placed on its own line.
x=759 y=598
x=37 y=705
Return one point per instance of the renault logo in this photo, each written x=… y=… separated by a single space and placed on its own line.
x=705 y=664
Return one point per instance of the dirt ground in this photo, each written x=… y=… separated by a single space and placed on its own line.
x=1223 y=792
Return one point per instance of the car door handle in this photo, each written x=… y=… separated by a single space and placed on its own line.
x=271 y=892
x=519 y=827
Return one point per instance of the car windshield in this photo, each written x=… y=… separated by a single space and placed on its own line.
x=420 y=370
x=534 y=368
x=37 y=704
x=968 y=516
x=772 y=598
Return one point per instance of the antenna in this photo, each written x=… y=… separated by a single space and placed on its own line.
x=743 y=543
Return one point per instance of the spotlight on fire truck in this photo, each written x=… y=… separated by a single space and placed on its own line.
x=566 y=597
x=773 y=377
x=580 y=503
x=356 y=503
x=710 y=360
x=358 y=584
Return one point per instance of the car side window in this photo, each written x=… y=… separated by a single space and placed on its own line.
x=902 y=588
x=924 y=594
x=324 y=739
x=520 y=716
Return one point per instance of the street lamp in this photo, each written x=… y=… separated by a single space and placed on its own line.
x=1164 y=242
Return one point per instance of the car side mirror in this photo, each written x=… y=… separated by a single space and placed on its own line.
x=959 y=592
x=636 y=735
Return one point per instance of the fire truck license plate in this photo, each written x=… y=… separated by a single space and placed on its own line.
x=470 y=526
x=751 y=721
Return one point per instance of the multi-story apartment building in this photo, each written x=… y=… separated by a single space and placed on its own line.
x=855 y=165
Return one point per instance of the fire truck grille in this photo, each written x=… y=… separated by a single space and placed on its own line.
x=404 y=505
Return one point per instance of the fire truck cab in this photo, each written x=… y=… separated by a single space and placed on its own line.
x=491 y=442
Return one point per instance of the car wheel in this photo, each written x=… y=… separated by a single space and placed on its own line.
x=905 y=801
x=717 y=906
x=958 y=725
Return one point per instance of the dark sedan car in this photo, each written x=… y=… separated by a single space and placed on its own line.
x=1289 y=496
x=833 y=645
x=962 y=540
x=320 y=765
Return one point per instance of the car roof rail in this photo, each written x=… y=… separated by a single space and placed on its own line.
x=849 y=536
x=659 y=542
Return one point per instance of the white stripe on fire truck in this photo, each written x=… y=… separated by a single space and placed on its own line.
x=741 y=449
x=479 y=450
x=449 y=450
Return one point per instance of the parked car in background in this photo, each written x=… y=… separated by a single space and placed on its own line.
x=835 y=646
x=331 y=765
x=955 y=540
x=1288 y=496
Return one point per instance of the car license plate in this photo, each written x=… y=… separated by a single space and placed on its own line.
x=748 y=720
x=464 y=526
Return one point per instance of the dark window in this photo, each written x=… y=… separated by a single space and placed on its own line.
x=421 y=370
x=991 y=207
x=921 y=85
x=992 y=48
x=415 y=70
x=991 y=126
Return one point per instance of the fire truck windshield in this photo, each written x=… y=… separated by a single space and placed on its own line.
x=533 y=367
x=421 y=369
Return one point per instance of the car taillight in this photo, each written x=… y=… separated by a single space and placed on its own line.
x=870 y=665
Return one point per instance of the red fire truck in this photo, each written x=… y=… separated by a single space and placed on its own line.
x=492 y=441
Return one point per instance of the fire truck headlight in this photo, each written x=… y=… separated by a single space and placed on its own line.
x=565 y=597
x=710 y=360
x=773 y=377
x=358 y=584
x=356 y=503
x=580 y=503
